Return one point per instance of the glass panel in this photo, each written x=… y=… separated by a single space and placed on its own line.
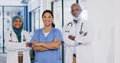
x=57 y=10
x=37 y=18
x=32 y=20
x=1 y=30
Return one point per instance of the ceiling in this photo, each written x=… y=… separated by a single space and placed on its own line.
x=12 y=8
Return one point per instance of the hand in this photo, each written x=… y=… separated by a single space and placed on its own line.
x=71 y=37
x=36 y=43
x=55 y=40
x=79 y=43
x=12 y=41
x=28 y=44
x=85 y=34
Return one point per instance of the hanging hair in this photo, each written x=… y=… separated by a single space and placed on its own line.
x=48 y=11
x=53 y=25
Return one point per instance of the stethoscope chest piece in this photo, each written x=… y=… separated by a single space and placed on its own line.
x=24 y=39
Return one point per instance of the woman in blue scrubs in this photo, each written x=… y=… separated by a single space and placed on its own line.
x=47 y=41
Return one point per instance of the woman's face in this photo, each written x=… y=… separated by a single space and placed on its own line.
x=47 y=19
x=17 y=23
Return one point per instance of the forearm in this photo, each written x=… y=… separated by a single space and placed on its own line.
x=11 y=46
x=48 y=45
x=39 y=48
x=51 y=45
x=69 y=42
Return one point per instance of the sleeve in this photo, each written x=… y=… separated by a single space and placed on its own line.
x=34 y=37
x=58 y=35
x=25 y=35
x=67 y=41
x=11 y=46
x=28 y=37
x=85 y=40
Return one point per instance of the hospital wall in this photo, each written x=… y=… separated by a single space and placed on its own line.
x=11 y=3
x=117 y=31
x=104 y=15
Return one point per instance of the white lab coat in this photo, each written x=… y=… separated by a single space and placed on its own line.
x=83 y=52
x=14 y=47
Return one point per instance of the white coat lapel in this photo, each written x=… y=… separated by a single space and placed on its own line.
x=14 y=37
x=26 y=55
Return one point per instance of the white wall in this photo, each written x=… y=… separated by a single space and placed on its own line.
x=100 y=13
x=117 y=30
x=11 y=3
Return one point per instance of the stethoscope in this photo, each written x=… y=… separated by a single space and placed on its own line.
x=71 y=24
x=81 y=28
x=24 y=38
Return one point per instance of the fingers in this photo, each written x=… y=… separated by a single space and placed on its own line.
x=36 y=40
x=85 y=33
x=12 y=41
x=35 y=43
x=55 y=40
x=28 y=44
x=71 y=37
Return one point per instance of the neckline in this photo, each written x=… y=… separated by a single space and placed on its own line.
x=47 y=32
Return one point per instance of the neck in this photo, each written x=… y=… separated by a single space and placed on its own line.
x=47 y=28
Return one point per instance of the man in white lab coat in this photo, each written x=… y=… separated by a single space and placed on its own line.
x=17 y=43
x=76 y=38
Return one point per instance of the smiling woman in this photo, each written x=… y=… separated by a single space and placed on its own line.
x=17 y=23
x=17 y=42
x=47 y=41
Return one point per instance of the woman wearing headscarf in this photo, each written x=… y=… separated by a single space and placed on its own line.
x=17 y=42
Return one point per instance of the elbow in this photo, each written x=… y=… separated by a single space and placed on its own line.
x=57 y=46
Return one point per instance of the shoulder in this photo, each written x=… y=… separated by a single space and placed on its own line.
x=56 y=30
x=10 y=31
x=85 y=22
x=82 y=20
x=25 y=32
x=38 y=31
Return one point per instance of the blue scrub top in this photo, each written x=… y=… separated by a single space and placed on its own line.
x=48 y=56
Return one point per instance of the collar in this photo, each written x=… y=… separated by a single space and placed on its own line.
x=76 y=21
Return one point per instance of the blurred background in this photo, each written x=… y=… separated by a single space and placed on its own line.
x=102 y=14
